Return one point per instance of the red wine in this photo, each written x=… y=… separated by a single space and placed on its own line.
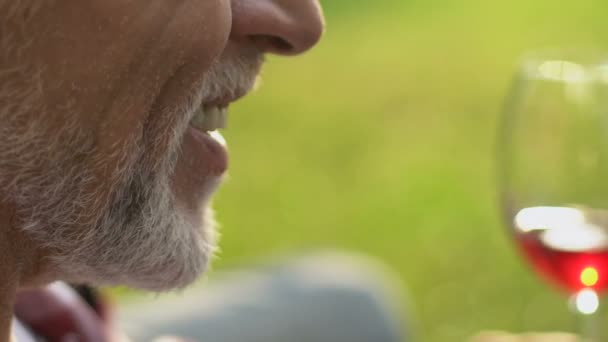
x=566 y=245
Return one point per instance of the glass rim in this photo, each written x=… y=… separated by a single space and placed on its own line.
x=584 y=55
x=566 y=64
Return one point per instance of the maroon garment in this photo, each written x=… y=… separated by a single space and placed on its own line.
x=57 y=313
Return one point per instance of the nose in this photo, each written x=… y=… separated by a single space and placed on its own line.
x=284 y=27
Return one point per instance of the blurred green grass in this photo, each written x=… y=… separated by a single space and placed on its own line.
x=381 y=141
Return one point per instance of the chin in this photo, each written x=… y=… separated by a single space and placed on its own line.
x=158 y=244
x=179 y=264
x=171 y=259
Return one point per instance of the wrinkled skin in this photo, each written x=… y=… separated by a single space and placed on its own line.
x=98 y=182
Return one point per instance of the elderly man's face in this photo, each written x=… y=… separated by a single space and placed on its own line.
x=106 y=108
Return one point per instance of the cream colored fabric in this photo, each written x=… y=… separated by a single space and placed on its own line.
x=20 y=333
x=529 y=337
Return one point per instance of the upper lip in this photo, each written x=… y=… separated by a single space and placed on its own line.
x=234 y=86
x=226 y=100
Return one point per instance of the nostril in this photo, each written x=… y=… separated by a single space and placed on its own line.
x=272 y=44
x=284 y=27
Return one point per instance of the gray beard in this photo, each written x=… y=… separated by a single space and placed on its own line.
x=136 y=237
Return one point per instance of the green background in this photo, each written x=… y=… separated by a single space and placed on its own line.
x=382 y=141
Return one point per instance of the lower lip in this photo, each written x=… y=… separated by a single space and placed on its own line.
x=205 y=153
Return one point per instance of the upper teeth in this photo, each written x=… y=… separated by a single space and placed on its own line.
x=209 y=119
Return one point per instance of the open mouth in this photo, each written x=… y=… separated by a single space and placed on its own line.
x=209 y=118
x=204 y=146
x=204 y=142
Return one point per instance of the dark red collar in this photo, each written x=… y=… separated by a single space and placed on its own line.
x=57 y=311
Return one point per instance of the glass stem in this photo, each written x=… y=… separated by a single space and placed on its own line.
x=591 y=328
x=586 y=303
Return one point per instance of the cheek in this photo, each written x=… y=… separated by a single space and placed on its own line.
x=105 y=62
x=94 y=51
x=210 y=26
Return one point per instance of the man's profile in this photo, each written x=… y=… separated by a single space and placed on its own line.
x=108 y=147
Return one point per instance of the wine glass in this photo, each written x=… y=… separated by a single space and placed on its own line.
x=553 y=172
